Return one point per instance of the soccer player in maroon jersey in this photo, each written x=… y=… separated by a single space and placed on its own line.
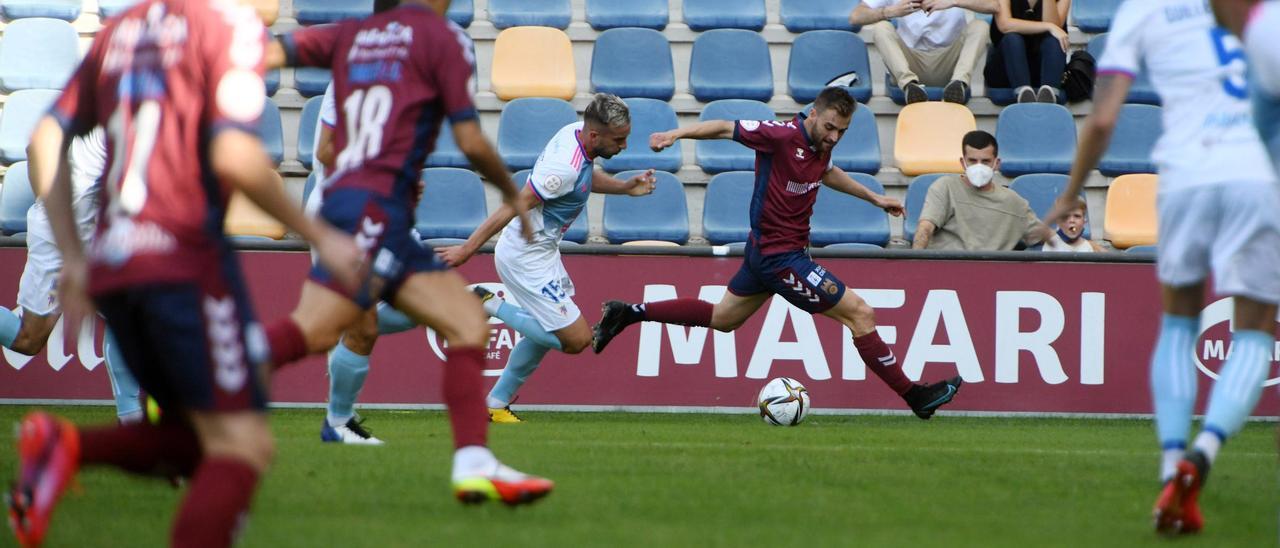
x=793 y=159
x=396 y=75
x=178 y=85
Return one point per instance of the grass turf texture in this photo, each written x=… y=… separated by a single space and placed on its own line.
x=707 y=480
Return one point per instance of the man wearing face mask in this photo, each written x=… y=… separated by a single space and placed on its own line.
x=970 y=212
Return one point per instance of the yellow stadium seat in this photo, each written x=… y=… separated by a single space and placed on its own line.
x=244 y=218
x=533 y=62
x=1131 y=211
x=929 y=135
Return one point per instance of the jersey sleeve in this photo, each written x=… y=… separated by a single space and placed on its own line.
x=329 y=108
x=760 y=135
x=311 y=46
x=76 y=108
x=235 y=92
x=1124 y=43
x=453 y=74
x=551 y=180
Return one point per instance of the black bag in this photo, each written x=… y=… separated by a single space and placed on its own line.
x=1077 y=80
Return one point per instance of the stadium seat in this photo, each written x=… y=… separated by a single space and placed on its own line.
x=917 y=191
x=806 y=15
x=311 y=12
x=717 y=156
x=462 y=12
x=703 y=15
x=1036 y=138
x=112 y=8
x=307 y=131
x=272 y=81
x=15 y=199
x=244 y=218
x=633 y=63
x=579 y=229
x=648 y=116
x=446 y=153
x=855 y=246
x=612 y=14
x=38 y=53
x=899 y=97
x=726 y=207
x=66 y=10
x=841 y=218
x=530 y=13
x=928 y=137
x=452 y=204
x=1131 y=211
x=859 y=149
x=1040 y=190
x=663 y=215
x=309 y=187
x=730 y=64
x=18 y=119
x=1141 y=91
x=1094 y=16
x=273 y=131
x=533 y=62
x=311 y=81
x=526 y=125
x=1142 y=249
x=1136 y=133
x=820 y=55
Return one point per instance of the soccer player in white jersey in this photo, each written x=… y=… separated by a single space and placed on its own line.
x=556 y=193
x=27 y=331
x=1251 y=20
x=1217 y=206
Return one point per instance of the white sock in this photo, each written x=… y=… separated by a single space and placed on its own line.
x=335 y=421
x=494 y=403
x=491 y=305
x=131 y=418
x=1209 y=443
x=1169 y=463
x=473 y=460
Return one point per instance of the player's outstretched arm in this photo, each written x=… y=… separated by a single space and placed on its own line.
x=639 y=185
x=473 y=144
x=710 y=129
x=1108 y=98
x=837 y=179
x=458 y=255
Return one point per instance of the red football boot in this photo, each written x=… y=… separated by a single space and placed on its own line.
x=1177 y=511
x=49 y=454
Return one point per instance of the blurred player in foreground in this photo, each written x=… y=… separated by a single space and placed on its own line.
x=1257 y=23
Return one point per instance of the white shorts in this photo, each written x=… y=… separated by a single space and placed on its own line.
x=38 y=287
x=1231 y=231
x=545 y=293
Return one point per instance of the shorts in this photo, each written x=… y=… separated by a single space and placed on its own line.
x=38 y=287
x=383 y=227
x=1230 y=231
x=192 y=345
x=792 y=274
x=545 y=293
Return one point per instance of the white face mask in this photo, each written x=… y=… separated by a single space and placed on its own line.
x=979 y=175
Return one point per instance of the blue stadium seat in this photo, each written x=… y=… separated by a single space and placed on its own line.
x=726 y=155
x=1036 y=138
x=579 y=229
x=900 y=97
x=663 y=215
x=66 y=10
x=859 y=149
x=840 y=218
x=648 y=116
x=1141 y=91
x=703 y=15
x=462 y=12
x=1093 y=16
x=916 y=193
x=820 y=55
x=1040 y=190
x=15 y=199
x=311 y=12
x=18 y=119
x=1136 y=133
x=726 y=207
x=530 y=13
x=730 y=64
x=38 y=53
x=272 y=81
x=855 y=246
x=311 y=81
x=1142 y=249
x=307 y=131
x=612 y=14
x=527 y=124
x=446 y=153
x=272 y=131
x=309 y=187
x=112 y=8
x=452 y=204
x=806 y=15
x=633 y=63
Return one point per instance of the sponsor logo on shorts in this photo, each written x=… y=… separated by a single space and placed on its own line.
x=830 y=287
x=223 y=328
x=796 y=285
x=814 y=278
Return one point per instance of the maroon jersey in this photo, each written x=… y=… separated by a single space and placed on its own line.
x=788 y=174
x=396 y=75
x=163 y=79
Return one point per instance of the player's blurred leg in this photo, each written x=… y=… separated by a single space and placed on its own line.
x=348 y=368
x=10 y=323
x=123 y=386
x=1239 y=383
x=392 y=321
x=522 y=362
x=1173 y=387
x=238 y=449
x=49 y=456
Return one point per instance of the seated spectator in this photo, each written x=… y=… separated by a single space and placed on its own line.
x=932 y=45
x=1070 y=234
x=971 y=212
x=1029 y=46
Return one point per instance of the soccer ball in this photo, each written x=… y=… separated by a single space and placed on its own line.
x=783 y=402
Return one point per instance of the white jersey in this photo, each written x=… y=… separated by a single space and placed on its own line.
x=1262 y=41
x=88 y=159
x=328 y=120
x=562 y=179
x=1199 y=71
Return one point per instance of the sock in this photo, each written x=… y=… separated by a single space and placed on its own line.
x=463 y=396
x=1169 y=462
x=10 y=323
x=287 y=342
x=391 y=321
x=1238 y=387
x=1173 y=379
x=473 y=460
x=160 y=450
x=123 y=386
x=347 y=371
x=881 y=361
x=524 y=359
x=492 y=305
x=527 y=325
x=1209 y=442
x=216 y=503
x=691 y=312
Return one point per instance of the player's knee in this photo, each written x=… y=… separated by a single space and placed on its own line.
x=467 y=331
x=360 y=340
x=28 y=343
x=575 y=343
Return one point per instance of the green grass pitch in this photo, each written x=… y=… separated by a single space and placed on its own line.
x=707 y=480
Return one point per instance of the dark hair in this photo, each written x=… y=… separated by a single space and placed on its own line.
x=835 y=97
x=979 y=140
x=380 y=6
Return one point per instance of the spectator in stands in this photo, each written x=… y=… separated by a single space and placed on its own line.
x=1029 y=46
x=933 y=45
x=971 y=212
x=1070 y=234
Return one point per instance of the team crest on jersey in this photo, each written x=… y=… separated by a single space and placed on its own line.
x=553 y=182
x=800 y=153
x=749 y=125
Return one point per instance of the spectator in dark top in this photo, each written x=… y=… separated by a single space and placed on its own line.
x=1029 y=48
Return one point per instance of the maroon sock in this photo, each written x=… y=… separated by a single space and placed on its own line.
x=464 y=396
x=288 y=345
x=881 y=361
x=164 y=450
x=216 y=503
x=679 y=311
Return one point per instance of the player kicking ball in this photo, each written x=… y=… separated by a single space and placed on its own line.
x=793 y=159
x=559 y=185
x=1217 y=210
